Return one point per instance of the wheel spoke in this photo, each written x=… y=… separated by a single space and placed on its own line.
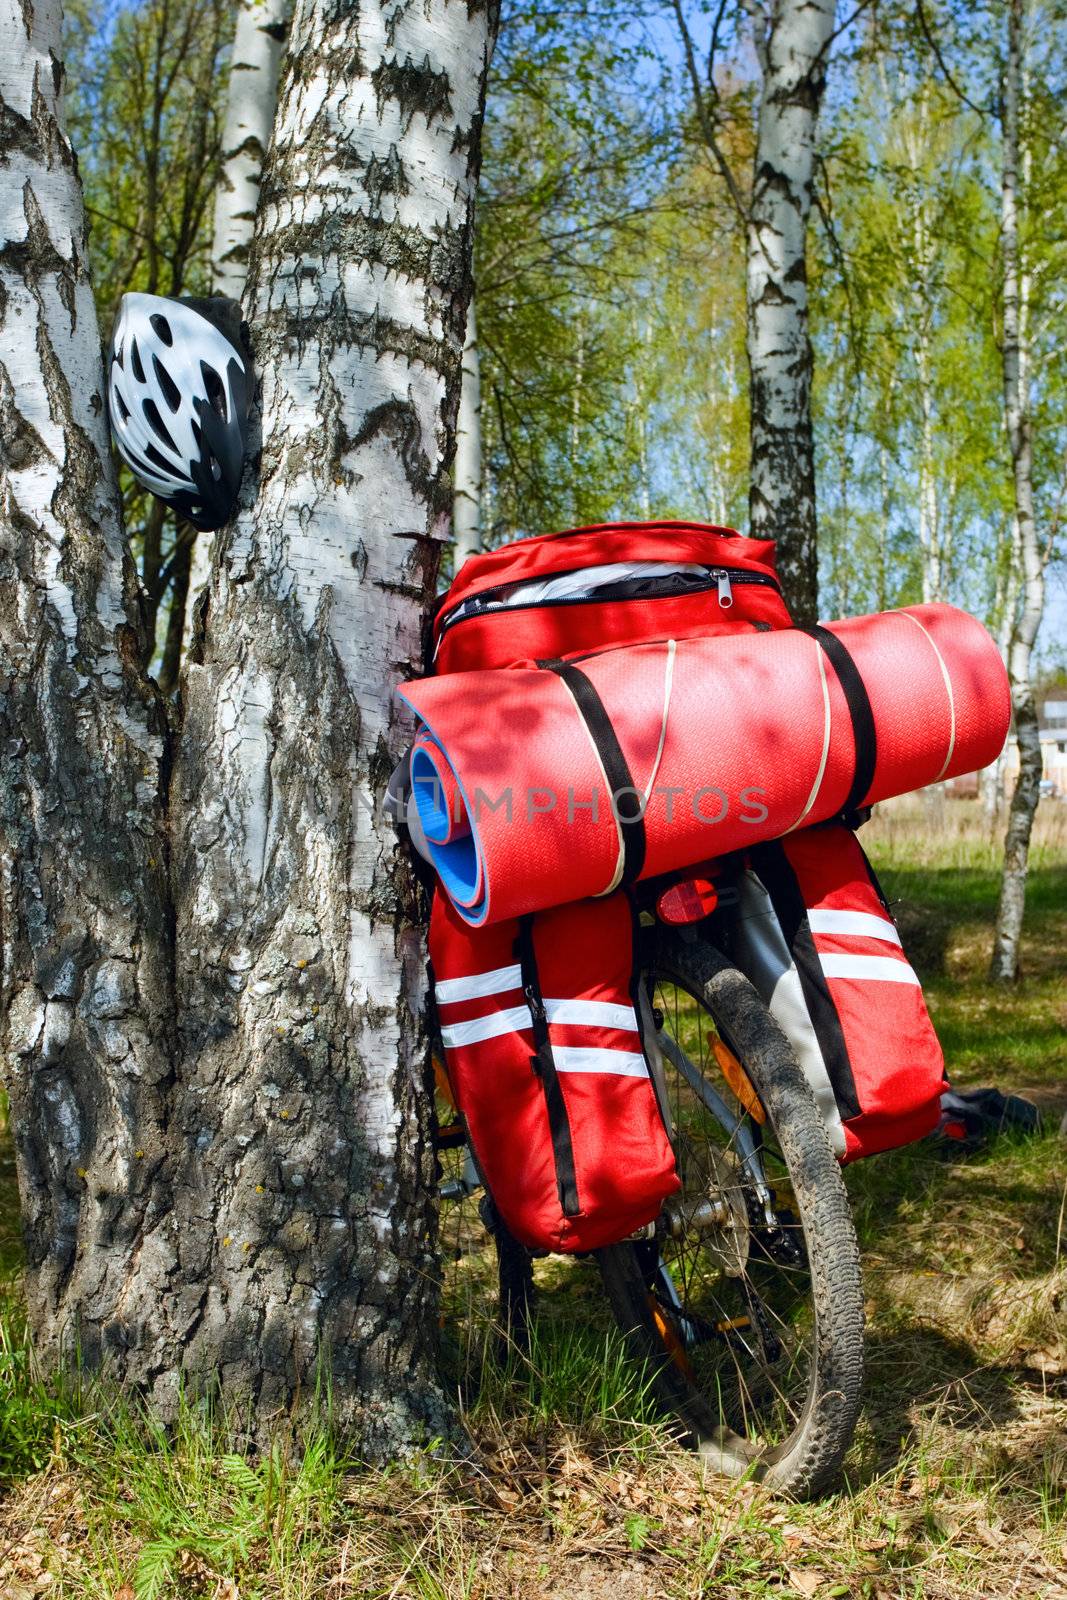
x=756 y=1368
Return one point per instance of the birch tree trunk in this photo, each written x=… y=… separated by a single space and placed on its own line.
x=643 y=338
x=214 y=1056
x=251 y=96
x=306 y=1197
x=884 y=526
x=929 y=519
x=86 y=978
x=576 y=416
x=1005 y=613
x=794 y=51
x=1026 y=549
x=915 y=141
x=467 y=495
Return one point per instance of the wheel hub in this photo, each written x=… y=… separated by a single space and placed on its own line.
x=713 y=1207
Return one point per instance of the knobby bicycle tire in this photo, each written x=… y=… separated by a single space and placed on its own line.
x=808 y=1458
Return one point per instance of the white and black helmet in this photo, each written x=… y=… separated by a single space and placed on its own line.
x=179 y=387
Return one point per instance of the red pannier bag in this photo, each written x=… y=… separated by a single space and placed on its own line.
x=816 y=936
x=539 y=1020
x=575 y=1157
x=590 y=589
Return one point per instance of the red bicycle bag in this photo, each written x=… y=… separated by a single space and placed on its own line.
x=817 y=938
x=545 y=1058
x=590 y=589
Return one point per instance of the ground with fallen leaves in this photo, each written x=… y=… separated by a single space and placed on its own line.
x=956 y=1485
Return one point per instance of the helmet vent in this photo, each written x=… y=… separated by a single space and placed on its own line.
x=155 y=422
x=135 y=361
x=161 y=327
x=171 y=393
x=158 y=458
x=216 y=391
x=122 y=407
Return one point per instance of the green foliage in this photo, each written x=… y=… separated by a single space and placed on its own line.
x=571 y=182
x=219 y=1511
x=194 y=1501
x=33 y=1411
x=610 y=271
x=914 y=471
x=691 y=375
x=573 y=1373
x=146 y=94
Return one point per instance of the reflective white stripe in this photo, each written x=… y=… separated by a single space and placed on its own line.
x=880 y=967
x=862 y=923
x=620 y=1063
x=514 y=1020
x=592 y=1013
x=478 y=985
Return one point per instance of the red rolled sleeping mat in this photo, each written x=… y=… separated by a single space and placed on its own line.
x=548 y=784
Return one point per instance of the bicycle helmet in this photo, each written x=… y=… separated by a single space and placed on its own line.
x=178 y=392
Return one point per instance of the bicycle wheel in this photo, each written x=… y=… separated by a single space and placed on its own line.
x=747 y=1301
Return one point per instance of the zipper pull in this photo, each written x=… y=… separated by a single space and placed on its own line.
x=726 y=592
x=535 y=1003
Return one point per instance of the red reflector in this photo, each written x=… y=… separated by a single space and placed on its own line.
x=687 y=902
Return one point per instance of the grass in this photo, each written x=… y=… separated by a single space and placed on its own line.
x=957 y=1483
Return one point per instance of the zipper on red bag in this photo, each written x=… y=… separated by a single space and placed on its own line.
x=722 y=579
x=543 y=1064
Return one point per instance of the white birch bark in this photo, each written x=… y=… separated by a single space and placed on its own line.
x=642 y=366
x=467 y=477
x=1025 y=545
x=86 y=991
x=794 y=51
x=300 y=961
x=576 y=416
x=1005 y=613
x=929 y=545
x=251 y=96
x=884 y=525
x=915 y=141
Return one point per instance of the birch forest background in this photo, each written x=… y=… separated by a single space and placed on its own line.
x=610 y=274
x=218 y=1175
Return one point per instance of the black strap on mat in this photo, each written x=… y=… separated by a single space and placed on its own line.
x=544 y=1064
x=859 y=709
x=625 y=798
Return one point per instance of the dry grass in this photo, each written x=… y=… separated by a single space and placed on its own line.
x=554 y=1513
x=956 y=1486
